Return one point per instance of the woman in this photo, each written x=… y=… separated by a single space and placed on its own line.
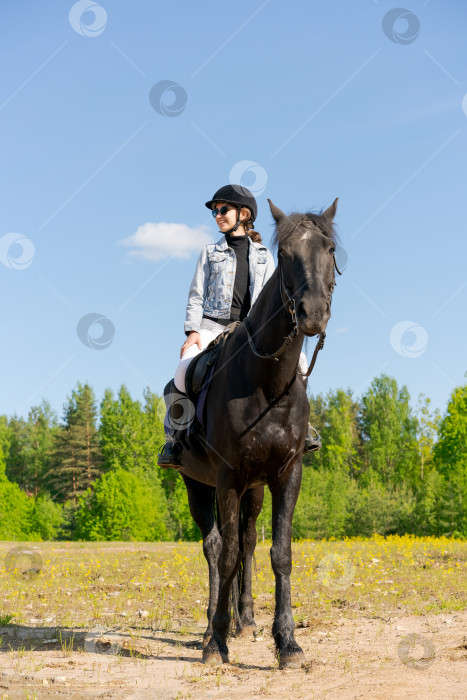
x=228 y=279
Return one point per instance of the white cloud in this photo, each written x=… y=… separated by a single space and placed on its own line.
x=157 y=241
x=343 y=329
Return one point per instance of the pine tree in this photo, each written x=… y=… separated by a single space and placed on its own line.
x=28 y=446
x=75 y=458
x=42 y=428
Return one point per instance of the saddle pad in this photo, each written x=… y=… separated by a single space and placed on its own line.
x=202 y=396
x=200 y=370
x=199 y=367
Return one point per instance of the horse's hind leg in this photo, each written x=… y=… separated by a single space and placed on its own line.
x=284 y=496
x=201 y=499
x=251 y=504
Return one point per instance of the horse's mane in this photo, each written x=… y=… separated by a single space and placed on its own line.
x=288 y=225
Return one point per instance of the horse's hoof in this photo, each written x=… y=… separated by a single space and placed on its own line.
x=294 y=660
x=212 y=658
x=246 y=630
x=212 y=655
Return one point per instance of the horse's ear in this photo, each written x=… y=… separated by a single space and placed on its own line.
x=331 y=211
x=276 y=212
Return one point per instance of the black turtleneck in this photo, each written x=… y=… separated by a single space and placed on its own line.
x=241 y=301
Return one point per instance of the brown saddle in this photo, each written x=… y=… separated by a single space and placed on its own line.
x=200 y=370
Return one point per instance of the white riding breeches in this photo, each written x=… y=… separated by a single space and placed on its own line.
x=208 y=331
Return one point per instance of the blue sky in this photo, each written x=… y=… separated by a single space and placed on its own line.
x=303 y=102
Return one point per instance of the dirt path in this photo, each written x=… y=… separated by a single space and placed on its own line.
x=350 y=658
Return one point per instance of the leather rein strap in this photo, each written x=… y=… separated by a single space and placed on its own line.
x=294 y=332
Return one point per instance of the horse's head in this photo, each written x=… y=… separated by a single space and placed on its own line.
x=306 y=246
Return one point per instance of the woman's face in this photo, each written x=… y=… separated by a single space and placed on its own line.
x=228 y=220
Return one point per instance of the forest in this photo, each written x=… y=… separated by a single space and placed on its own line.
x=385 y=467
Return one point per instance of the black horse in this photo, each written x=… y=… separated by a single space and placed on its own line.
x=256 y=422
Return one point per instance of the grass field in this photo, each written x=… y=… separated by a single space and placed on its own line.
x=145 y=591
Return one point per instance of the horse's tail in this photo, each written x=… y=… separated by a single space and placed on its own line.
x=237 y=582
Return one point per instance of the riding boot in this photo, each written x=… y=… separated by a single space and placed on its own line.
x=170 y=453
x=312 y=440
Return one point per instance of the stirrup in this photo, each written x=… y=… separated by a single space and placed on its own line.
x=169 y=455
x=312 y=440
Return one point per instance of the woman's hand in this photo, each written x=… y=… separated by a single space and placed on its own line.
x=193 y=338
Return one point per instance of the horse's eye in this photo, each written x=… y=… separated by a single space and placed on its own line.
x=332 y=251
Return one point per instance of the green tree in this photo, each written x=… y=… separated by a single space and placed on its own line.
x=179 y=521
x=430 y=509
x=47 y=517
x=317 y=411
x=450 y=456
x=321 y=509
x=336 y=421
x=16 y=468
x=427 y=431
x=264 y=521
x=389 y=432
x=75 y=458
x=15 y=509
x=5 y=436
x=131 y=435
x=29 y=447
x=122 y=505
x=121 y=431
x=42 y=429
x=374 y=507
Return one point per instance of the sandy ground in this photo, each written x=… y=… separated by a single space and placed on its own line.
x=389 y=657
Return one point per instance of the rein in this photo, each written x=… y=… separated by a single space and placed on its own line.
x=295 y=330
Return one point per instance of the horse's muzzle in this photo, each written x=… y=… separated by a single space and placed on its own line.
x=313 y=317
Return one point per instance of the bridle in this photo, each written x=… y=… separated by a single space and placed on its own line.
x=291 y=306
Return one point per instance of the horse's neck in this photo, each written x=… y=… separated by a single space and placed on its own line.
x=270 y=322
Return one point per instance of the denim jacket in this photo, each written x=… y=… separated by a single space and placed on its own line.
x=212 y=286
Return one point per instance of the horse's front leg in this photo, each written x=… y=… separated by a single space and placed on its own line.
x=251 y=504
x=201 y=500
x=229 y=561
x=284 y=497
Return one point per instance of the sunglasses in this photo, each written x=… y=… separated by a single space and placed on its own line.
x=222 y=211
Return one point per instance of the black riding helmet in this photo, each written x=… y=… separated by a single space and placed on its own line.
x=238 y=196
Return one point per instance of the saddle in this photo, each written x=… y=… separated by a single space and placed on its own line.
x=200 y=370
